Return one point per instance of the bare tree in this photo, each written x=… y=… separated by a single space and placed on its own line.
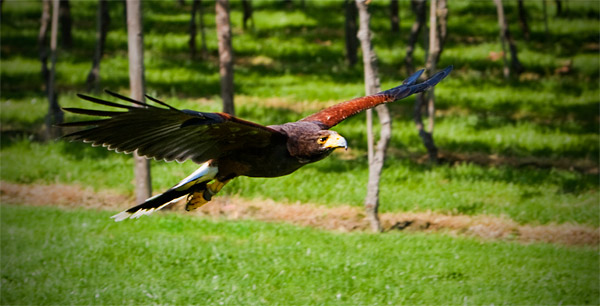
x=135 y=46
x=418 y=7
x=42 y=40
x=247 y=15
x=372 y=86
x=438 y=14
x=202 y=31
x=102 y=23
x=350 y=30
x=66 y=24
x=559 y=10
x=225 y=54
x=394 y=17
x=545 y=12
x=192 y=41
x=505 y=37
x=124 y=2
x=197 y=8
x=523 y=19
x=55 y=114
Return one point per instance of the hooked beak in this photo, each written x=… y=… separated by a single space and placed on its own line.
x=336 y=141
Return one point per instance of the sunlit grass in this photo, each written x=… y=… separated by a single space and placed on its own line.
x=51 y=256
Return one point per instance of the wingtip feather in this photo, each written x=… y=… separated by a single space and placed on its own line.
x=413 y=78
x=121 y=216
x=141 y=212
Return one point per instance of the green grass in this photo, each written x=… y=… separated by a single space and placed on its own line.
x=296 y=56
x=289 y=65
x=54 y=256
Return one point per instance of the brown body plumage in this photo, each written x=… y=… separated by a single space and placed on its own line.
x=226 y=146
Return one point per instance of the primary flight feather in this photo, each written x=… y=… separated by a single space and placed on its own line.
x=224 y=145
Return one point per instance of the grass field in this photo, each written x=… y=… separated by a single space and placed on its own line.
x=51 y=256
x=526 y=149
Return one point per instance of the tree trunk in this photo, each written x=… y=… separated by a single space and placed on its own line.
x=43 y=42
x=515 y=64
x=523 y=20
x=197 y=7
x=55 y=114
x=225 y=55
x=438 y=18
x=442 y=27
x=505 y=37
x=545 y=12
x=418 y=7
x=102 y=24
x=394 y=17
x=202 y=31
x=438 y=14
x=502 y=23
x=372 y=87
x=135 y=46
x=559 y=10
x=124 y=2
x=192 y=42
x=288 y=4
x=434 y=55
x=247 y=16
x=66 y=24
x=350 y=30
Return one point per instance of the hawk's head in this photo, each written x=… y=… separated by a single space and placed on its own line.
x=309 y=143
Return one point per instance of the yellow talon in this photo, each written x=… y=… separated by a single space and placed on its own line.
x=200 y=197
x=195 y=200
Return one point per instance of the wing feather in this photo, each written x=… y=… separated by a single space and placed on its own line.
x=168 y=133
x=335 y=114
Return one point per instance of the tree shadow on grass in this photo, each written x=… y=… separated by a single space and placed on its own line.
x=519 y=150
x=568 y=182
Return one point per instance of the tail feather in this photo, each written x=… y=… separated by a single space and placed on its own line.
x=151 y=205
x=194 y=183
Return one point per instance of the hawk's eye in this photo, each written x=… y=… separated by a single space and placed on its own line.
x=322 y=139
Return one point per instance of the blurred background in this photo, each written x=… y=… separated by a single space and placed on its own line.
x=507 y=211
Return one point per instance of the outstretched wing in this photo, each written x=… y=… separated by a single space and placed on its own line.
x=335 y=114
x=168 y=133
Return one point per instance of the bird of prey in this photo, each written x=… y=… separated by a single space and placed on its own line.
x=224 y=145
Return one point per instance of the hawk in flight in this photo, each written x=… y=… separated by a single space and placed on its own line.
x=225 y=146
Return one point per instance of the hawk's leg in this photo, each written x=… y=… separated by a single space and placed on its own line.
x=203 y=194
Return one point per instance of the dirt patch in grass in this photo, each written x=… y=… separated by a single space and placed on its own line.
x=61 y=195
x=342 y=218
